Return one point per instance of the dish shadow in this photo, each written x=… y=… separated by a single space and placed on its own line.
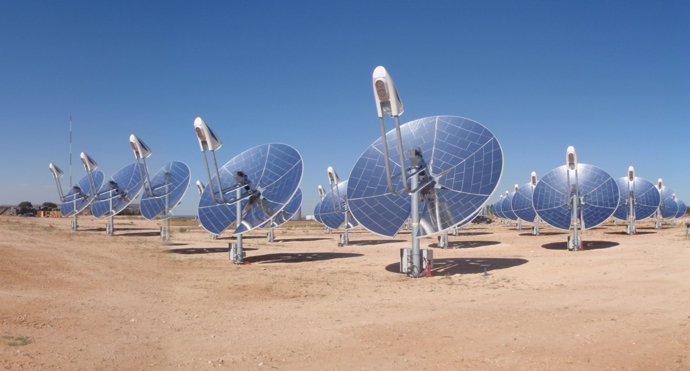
x=137 y=234
x=652 y=228
x=443 y=267
x=91 y=229
x=201 y=250
x=586 y=245
x=624 y=233
x=102 y=229
x=461 y=233
x=299 y=239
x=465 y=244
x=543 y=234
x=297 y=257
x=372 y=242
x=244 y=237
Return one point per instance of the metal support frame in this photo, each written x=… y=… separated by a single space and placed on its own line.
x=237 y=249
x=631 y=214
x=535 y=230
x=270 y=236
x=416 y=268
x=165 y=231
x=575 y=241
x=58 y=184
x=344 y=239
x=345 y=236
x=75 y=223
x=401 y=150
x=443 y=240
x=387 y=155
x=110 y=227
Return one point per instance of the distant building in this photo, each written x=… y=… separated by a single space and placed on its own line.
x=49 y=214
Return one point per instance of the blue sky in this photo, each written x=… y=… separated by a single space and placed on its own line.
x=611 y=78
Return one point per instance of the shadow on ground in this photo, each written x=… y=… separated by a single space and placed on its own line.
x=586 y=245
x=301 y=239
x=543 y=234
x=466 y=244
x=117 y=229
x=372 y=242
x=461 y=233
x=624 y=233
x=202 y=250
x=447 y=267
x=137 y=234
x=297 y=257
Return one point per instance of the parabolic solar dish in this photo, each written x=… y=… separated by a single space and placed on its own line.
x=121 y=190
x=167 y=188
x=81 y=194
x=464 y=164
x=522 y=203
x=498 y=209
x=646 y=198
x=682 y=209
x=332 y=208
x=267 y=177
x=667 y=207
x=598 y=192
x=288 y=212
x=507 y=206
x=317 y=215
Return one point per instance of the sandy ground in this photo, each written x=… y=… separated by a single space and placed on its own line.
x=83 y=300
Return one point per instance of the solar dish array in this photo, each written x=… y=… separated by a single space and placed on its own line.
x=549 y=200
x=437 y=171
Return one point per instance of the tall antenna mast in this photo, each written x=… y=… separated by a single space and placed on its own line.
x=70 y=150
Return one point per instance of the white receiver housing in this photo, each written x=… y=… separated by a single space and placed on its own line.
x=333 y=177
x=571 y=158
x=57 y=173
x=89 y=164
x=207 y=139
x=387 y=99
x=141 y=150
